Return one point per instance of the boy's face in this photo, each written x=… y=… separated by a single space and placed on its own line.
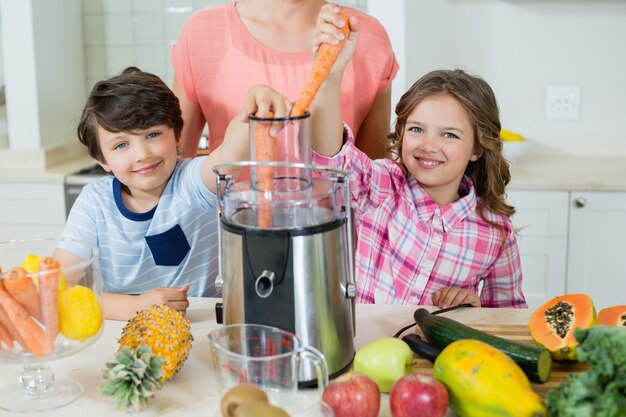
x=143 y=160
x=437 y=146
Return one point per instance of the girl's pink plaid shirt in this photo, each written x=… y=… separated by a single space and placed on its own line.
x=409 y=247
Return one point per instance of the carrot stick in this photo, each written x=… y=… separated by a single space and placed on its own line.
x=5 y=337
x=49 y=271
x=264 y=150
x=23 y=289
x=32 y=337
x=324 y=60
x=8 y=325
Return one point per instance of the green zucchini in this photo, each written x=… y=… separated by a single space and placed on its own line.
x=535 y=361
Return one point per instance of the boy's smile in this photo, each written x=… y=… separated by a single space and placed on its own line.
x=438 y=143
x=148 y=169
x=142 y=160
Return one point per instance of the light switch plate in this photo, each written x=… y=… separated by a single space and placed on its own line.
x=563 y=102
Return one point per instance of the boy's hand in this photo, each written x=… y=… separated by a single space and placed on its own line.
x=454 y=296
x=327 y=30
x=261 y=100
x=175 y=298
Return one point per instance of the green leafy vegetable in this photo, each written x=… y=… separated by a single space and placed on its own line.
x=601 y=391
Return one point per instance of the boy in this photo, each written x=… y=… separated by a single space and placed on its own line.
x=154 y=219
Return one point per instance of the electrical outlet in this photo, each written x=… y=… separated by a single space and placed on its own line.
x=563 y=102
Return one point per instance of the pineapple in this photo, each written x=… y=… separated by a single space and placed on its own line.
x=156 y=339
x=133 y=378
x=165 y=330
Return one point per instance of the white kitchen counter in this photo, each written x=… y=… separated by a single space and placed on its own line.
x=192 y=391
x=54 y=174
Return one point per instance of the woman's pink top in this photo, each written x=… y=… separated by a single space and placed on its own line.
x=217 y=60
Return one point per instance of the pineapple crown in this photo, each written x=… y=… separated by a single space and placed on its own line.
x=133 y=377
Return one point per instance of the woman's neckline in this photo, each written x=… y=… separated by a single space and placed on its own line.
x=251 y=40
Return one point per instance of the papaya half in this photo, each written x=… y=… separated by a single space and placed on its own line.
x=612 y=316
x=553 y=324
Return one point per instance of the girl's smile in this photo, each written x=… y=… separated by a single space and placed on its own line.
x=427 y=163
x=437 y=145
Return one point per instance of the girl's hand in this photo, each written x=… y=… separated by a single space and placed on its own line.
x=454 y=296
x=175 y=298
x=328 y=30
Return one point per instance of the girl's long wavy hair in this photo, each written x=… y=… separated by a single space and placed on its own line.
x=490 y=173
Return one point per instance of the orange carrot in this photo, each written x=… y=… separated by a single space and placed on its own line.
x=49 y=271
x=23 y=289
x=28 y=333
x=324 y=60
x=264 y=150
x=5 y=337
x=9 y=327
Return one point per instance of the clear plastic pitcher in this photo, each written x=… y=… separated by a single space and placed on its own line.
x=262 y=355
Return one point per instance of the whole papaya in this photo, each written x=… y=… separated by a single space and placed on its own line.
x=484 y=382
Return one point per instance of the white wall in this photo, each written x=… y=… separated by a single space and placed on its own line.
x=520 y=46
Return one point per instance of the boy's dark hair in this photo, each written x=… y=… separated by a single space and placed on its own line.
x=128 y=102
x=490 y=173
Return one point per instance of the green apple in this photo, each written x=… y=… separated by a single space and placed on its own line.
x=385 y=361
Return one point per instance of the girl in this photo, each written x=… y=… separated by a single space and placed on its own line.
x=432 y=224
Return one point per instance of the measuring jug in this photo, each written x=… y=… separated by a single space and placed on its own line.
x=262 y=355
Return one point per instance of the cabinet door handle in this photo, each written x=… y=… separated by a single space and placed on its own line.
x=580 y=202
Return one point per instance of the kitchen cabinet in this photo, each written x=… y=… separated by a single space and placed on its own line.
x=597 y=246
x=542 y=222
x=31 y=209
x=571 y=242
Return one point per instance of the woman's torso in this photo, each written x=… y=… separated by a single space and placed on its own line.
x=217 y=60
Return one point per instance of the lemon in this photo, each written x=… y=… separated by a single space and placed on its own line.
x=508 y=136
x=80 y=313
x=31 y=265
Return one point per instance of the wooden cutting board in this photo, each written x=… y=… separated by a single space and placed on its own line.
x=520 y=333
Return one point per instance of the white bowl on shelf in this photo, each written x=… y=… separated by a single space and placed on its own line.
x=514 y=151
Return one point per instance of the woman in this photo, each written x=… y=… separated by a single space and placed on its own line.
x=224 y=50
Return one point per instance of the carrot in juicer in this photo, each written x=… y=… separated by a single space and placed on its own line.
x=264 y=150
x=22 y=288
x=49 y=271
x=265 y=143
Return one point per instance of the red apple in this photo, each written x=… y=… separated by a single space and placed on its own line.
x=353 y=394
x=418 y=395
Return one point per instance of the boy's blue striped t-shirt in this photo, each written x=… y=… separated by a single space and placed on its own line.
x=171 y=245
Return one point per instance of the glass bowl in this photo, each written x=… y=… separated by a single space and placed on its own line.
x=50 y=308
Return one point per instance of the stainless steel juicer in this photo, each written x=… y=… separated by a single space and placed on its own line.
x=295 y=272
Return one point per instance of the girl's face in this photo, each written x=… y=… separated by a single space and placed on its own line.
x=143 y=160
x=437 y=145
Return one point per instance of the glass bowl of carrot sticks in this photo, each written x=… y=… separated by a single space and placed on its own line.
x=50 y=307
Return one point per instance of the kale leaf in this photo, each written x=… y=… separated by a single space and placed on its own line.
x=601 y=391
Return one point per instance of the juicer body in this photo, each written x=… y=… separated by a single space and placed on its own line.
x=296 y=277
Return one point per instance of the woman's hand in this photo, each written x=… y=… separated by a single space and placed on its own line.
x=454 y=296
